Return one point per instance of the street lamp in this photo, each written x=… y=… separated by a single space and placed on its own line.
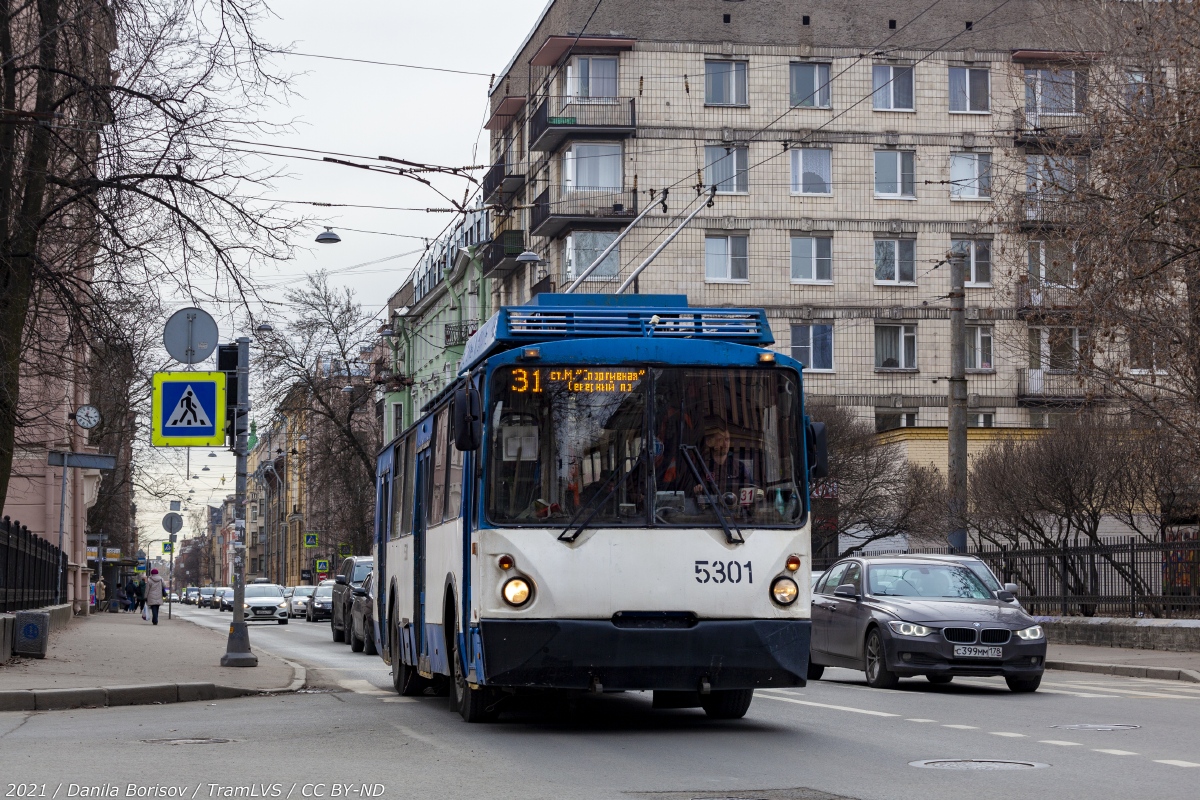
x=264 y=327
x=530 y=257
x=328 y=237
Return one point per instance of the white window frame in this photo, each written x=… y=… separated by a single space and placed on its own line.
x=1035 y=91
x=978 y=187
x=897 y=246
x=1079 y=338
x=899 y=157
x=814 y=245
x=821 y=91
x=800 y=156
x=883 y=88
x=807 y=329
x=571 y=269
x=1041 y=245
x=741 y=172
x=981 y=339
x=728 y=276
x=573 y=80
x=1154 y=368
x=967 y=86
x=740 y=69
x=973 y=261
x=981 y=419
x=906 y=333
x=569 y=169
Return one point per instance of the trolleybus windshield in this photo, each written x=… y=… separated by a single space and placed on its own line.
x=568 y=444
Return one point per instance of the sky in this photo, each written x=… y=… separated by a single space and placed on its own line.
x=368 y=110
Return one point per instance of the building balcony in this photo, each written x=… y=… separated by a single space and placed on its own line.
x=502 y=179
x=1036 y=299
x=500 y=254
x=1050 y=387
x=1033 y=127
x=560 y=118
x=458 y=332
x=557 y=209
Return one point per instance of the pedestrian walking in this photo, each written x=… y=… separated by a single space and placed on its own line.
x=101 y=595
x=141 y=595
x=154 y=594
x=122 y=598
x=130 y=595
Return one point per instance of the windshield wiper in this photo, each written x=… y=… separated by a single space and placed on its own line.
x=567 y=535
x=733 y=534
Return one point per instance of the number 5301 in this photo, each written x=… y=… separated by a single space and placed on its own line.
x=723 y=572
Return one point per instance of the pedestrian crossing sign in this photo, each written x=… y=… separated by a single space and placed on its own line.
x=188 y=409
x=310 y=540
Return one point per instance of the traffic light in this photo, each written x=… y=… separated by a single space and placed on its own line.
x=227 y=362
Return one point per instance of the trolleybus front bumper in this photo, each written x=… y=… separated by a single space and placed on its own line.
x=576 y=654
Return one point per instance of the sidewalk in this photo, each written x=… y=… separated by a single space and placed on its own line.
x=1161 y=664
x=119 y=659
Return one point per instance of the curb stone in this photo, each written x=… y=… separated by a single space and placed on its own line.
x=1128 y=670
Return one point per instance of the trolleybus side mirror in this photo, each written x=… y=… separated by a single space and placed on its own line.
x=818 y=450
x=468 y=418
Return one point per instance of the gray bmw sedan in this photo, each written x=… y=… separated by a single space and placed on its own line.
x=905 y=617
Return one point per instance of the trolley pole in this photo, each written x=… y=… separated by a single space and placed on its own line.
x=957 y=406
x=237 y=649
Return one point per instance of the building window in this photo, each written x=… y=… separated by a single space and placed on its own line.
x=726 y=258
x=1051 y=263
x=977 y=253
x=812 y=259
x=1049 y=178
x=891 y=420
x=893 y=88
x=971 y=176
x=969 y=90
x=1146 y=356
x=725 y=168
x=397 y=419
x=592 y=167
x=979 y=347
x=895 y=174
x=581 y=248
x=812 y=346
x=1055 y=91
x=810 y=85
x=982 y=419
x=1058 y=349
x=895 y=347
x=725 y=83
x=895 y=261
x=812 y=171
x=592 y=76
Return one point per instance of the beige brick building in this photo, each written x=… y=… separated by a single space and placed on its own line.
x=853 y=145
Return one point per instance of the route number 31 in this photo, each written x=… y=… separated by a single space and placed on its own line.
x=723 y=572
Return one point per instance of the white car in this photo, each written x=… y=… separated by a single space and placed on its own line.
x=298 y=602
x=265 y=603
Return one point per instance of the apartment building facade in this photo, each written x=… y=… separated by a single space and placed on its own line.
x=854 y=148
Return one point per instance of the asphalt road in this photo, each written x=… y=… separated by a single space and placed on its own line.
x=834 y=738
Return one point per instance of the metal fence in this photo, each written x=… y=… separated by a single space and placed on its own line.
x=29 y=569
x=1114 y=577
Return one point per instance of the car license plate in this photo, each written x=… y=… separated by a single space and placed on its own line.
x=974 y=651
x=268 y=611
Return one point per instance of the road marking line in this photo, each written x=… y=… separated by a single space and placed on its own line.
x=920 y=720
x=1009 y=735
x=826 y=705
x=1115 y=752
x=1059 y=743
x=399 y=700
x=1044 y=690
x=363 y=687
x=963 y=727
x=1173 y=763
x=783 y=691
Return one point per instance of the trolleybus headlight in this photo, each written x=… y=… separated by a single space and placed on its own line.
x=516 y=592
x=1032 y=633
x=505 y=562
x=785 y=591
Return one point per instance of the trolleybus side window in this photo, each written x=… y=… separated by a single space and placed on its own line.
x=441 y=441
x=401 y=491
x=407 y=456
x=454 y=485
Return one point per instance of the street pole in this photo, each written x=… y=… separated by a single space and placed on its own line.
x=62 y=513
x=171 y=572
x=957 y=428
x=237 y=649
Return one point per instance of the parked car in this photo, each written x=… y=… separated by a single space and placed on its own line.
x=206 y=597
x=298 y=600
x=265 y=602
x=362 y=618
x=350 y=575
x=225 y=598
x=321 y=604
x=906 y=616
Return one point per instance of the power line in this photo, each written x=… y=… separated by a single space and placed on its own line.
x=387 y=64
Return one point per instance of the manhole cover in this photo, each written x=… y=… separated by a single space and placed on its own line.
x=187 y=741
x=984 y=764
x=1097 y=726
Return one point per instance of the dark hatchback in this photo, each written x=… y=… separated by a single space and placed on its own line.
x=906 y=617
x=320 y=605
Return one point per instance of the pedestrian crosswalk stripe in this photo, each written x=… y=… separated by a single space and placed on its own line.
x=1175 y=763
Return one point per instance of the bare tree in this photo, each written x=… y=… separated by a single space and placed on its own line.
x=119 y=171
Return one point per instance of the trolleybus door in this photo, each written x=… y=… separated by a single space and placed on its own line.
x=421 y=490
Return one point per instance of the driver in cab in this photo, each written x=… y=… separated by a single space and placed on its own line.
x=728 y=472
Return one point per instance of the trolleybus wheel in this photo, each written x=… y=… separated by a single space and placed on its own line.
x=475 y=705
x=727 y=704
x=405 y=679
